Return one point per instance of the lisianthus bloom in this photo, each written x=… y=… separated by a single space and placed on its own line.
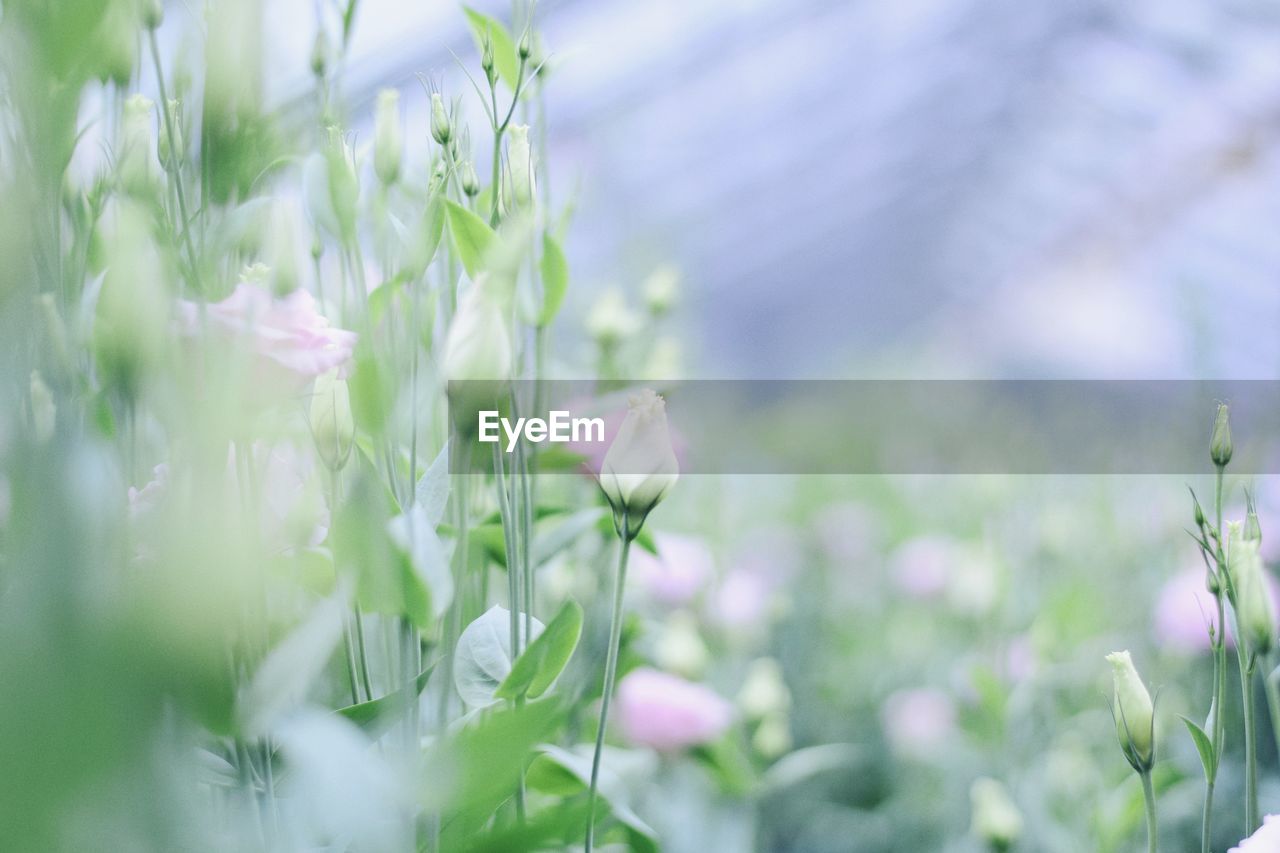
x=1134 y=712
x=289 y=340
x=1265 y=840
x=918 y=720
x=680 y=570
x=641 y=466
x=667 y=713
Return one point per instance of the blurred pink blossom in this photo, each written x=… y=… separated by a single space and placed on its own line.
x=742 y=601
x=1184 y=611
x=921 y=567
x=292 y=341
x=681 y=569
x=918 y=720
x=667 y=713
x=143 y=501
x=1265 y=840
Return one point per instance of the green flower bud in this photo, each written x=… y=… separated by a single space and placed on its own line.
x=661 y=289
x=640 y=466
x=486 y=60
x=43 y=411
x=1220 y=442
x=1197 y=510
x=1252 y=529
x=171 y=152
x=342 y=185
x=135 y=164
x=388 y=141
x=525 y=47
x=441 y=124
x=282 y=250
x=470 y=180
x=332 y=425
x=1134 y=713
x=772 y=737
x=320 y=55
x=520 y=158
x=680 y=647
x=116 y=50
x=152 y=13
x=996 y=820
x=1255 y=610
x=610 y=320
x=763 y=691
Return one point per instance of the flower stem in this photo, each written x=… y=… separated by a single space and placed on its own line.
x=1250 y=743
x=1272 y=688
x=610 y=673
x=184 y=228
x=1150 y=797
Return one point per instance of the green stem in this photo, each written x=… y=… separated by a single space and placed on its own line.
x=1250 y=743
x=364 y=657
x=610 y=673
x=174 y=173
x=1272 y=687
x=1149 y=795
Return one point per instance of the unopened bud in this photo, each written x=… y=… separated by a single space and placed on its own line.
x=152 y=13
x=525 y=48
x=661 y=289
x=520 y=157
x=1252 y=529
x=332 y=425
x=640 y=466
x=135 y=165
x=320 y=55
x=1220 y=443
x=441 y=126
x=1255 y=609
x=1134 y=713
x=470 y=180
x=772 y=737
x=387 y=137
x=116 y=51
x=344 y=189
x=171 y=148
x=680 y=647
x=1197 y=511
x=996 y=819
x=486 y=60
x=763 y=691
x=610 y=320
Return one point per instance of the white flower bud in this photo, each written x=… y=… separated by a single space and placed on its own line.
x=332 y=425
x=610 y=320
x=680 y=647
x=1134 y=713
x=661 y=289
x=763 y=692
x=1255 y=611
x=135 y=164
x=478 y=354
x=388 y=140
x=1220 y=447
x=469 y=179
x=996 y=820
x=640 y=466
x=132 y=318
x=282 y=249
x=772 y=737
x=441 y=125
x=520 y=158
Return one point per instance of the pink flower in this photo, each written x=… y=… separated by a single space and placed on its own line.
x=742 y=601
x=667 y=713
x=918 y=721
x=682 y=567
x=289 y=338
x=1184 y=612
x=1265 y=840
x=922 y=566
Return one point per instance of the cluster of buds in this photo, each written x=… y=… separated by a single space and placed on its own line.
x=388 y=138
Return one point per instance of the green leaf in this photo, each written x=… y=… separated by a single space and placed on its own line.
x=284 y=677
x=555 y=279
x=415 y=535
x=432 y=491
x=482 y=660
x=1204 y=746
x=644 y=538
x=471 y=236
x=370 y=715
x=505 y=58
x=562 y=773
x=477 y=768
x=540 y=665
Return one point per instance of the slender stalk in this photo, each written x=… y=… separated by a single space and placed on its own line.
x=610 y=673
x=364 y=657
x=1271 y=684
x=1150 y=797
x=1250 y=742
x=174 y=173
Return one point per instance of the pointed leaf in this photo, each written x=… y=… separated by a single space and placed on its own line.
x=369 y=715
x=416 y=537
x=555 y=279
x=1204 y=746
x=432 y=491
x=505 y=58
x=542 y=662
x=482 y=660
x=471 y=236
